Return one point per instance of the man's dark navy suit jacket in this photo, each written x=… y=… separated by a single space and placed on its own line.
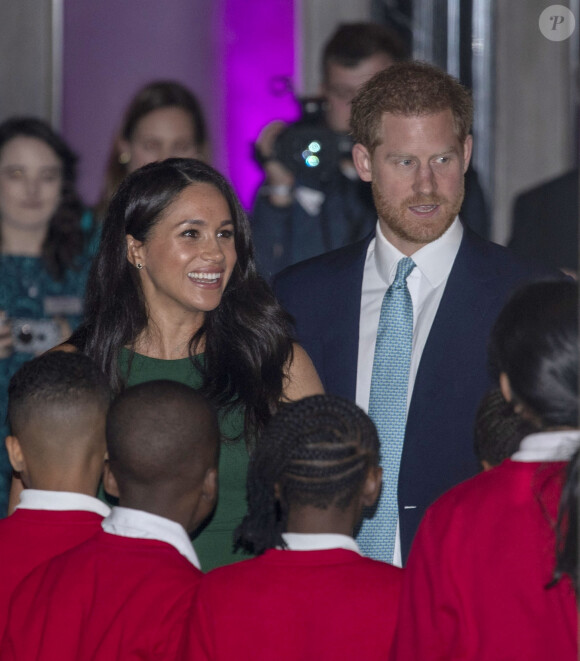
x=323 y=295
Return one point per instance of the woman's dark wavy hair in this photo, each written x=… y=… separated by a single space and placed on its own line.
x=318 y=451
x=535 y=342
x=64 y=240
x=247 y=337
x=154 y=96
x=567 y=527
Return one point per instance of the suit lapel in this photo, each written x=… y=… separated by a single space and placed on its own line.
x=340 y=340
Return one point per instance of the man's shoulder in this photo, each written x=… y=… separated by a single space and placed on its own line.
x=327 y=263
x=483 y=257
x=324 y=266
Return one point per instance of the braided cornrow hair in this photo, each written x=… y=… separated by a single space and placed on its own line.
x=318 y=450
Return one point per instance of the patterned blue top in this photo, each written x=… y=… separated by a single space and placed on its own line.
x=28 y=293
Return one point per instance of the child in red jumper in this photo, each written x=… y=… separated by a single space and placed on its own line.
x=56 y=410
x=310 y=594
x=476 y=584
x=125 y=593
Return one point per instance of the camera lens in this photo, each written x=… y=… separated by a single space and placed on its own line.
x=25 y=335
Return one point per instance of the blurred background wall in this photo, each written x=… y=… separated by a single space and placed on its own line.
x=78 y=62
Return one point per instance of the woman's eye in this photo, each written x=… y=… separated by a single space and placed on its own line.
x=226 y=234
x=191 y=233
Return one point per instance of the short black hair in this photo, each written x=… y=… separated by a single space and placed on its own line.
x=535 y=343
x=56 y=379
x=157 y=430
x=498 y=428
x=318 y=451
x=352 y=43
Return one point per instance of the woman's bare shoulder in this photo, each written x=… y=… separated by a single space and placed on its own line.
x=301 y=376
x=65 y=346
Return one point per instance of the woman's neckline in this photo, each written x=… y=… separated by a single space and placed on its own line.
x=164 y=360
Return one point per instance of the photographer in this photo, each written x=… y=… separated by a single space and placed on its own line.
x=296 y=217
x=302 y=211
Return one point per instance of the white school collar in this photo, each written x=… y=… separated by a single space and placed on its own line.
x=434 y=260
x=319 y=542
x=137 y=524
x=548 y=446
x=61 y=501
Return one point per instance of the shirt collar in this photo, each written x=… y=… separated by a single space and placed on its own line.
x=61 y=501
x=433 y=260
x=137 y=524
x=548 y=446
x=319 y=542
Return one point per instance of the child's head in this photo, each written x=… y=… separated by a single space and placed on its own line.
x=498 y=429
x=534 y=347
x=163 y=446
x=57 y=405
x=320 y=453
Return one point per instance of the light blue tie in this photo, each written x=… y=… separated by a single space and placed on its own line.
x=388 y=409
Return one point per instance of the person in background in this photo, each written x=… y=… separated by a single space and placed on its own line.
x=310 y=594
x=545 y=223
x=46 y=246
x=164 y=119
x=56 y=410
x=476 y=584
x=174 y=294
x=498 y=429
x=293 y=220
x=126 y=592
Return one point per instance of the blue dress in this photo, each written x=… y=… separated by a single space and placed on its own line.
x=28 y=293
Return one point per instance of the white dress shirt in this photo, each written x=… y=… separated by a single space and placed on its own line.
x=127 y=522
x=297 y=541
x=426 y=284
x=61 y=501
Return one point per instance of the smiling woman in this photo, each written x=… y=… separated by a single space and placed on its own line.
x=174 y=294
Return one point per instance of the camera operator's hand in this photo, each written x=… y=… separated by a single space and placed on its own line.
x=5 y=335
x=279 y=180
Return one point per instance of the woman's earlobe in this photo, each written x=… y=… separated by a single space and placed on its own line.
x=134 y=251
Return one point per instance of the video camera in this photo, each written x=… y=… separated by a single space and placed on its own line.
x=309 y=149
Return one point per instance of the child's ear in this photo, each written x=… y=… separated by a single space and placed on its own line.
x=209 y=489
x=109 y=481
x=372 y=486
x=15 y=454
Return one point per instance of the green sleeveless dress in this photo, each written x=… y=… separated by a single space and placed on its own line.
x=214 y=544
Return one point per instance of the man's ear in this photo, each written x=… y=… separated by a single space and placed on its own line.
x=134 y=250
x=15 y=454
x=467 y=151
x=362 y=162
x=372 y=486
x=109 y=481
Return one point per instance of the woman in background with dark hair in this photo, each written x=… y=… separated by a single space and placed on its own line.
x=45 y=250
x=174 y=294
x=479 y=581
x=163 y=120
